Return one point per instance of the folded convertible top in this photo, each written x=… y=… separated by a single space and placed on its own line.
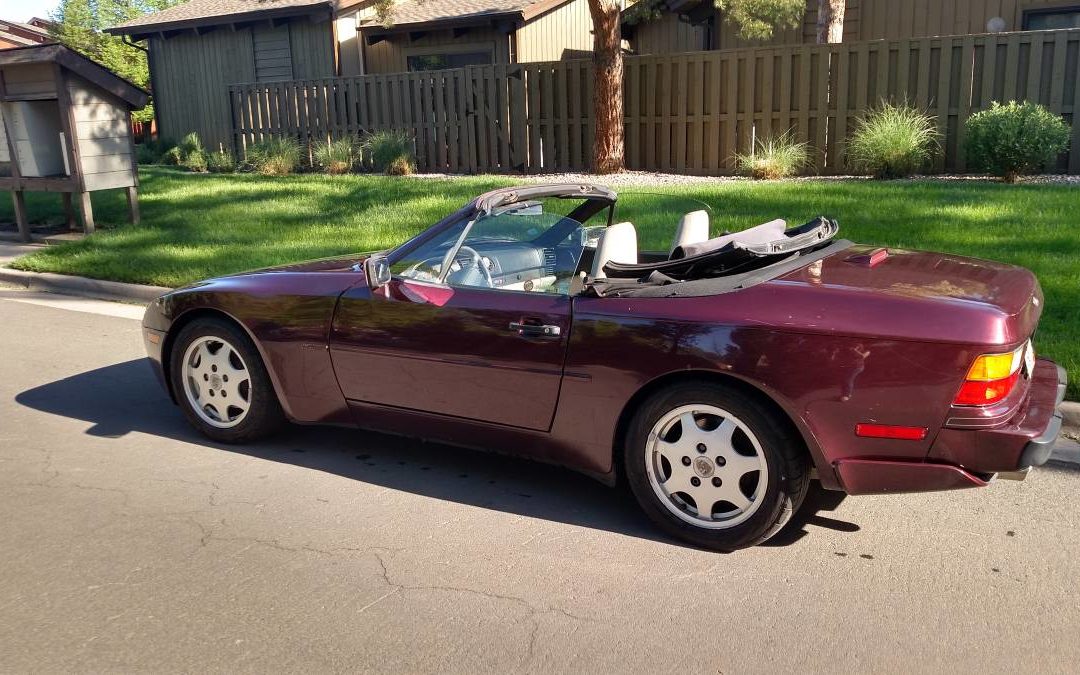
x=731 y=255
x=724 y=267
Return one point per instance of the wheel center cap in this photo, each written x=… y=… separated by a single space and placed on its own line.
x=703 y=466
x=215 y=382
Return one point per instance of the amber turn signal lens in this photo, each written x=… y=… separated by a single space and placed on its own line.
x=989 y=367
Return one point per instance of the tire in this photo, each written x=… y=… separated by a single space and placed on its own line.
x=203 y=356
x=751 y=448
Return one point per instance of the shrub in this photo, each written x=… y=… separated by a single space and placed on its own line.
x=774 y=157
x=144 y=154
x=893 y=141
x=221 y=162
x=336 y=156
x=1014 y=139
x=152 y=152
x=189 y=153
x=172 y=156
x=274 y=156
x=391 y=152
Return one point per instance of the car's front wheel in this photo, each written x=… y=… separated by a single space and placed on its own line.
x=221 y=383
x=713 y=467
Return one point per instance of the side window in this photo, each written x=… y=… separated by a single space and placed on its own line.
x=425 y=263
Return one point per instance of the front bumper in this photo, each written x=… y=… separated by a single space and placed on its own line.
x=1025 y=440
x=154 y=341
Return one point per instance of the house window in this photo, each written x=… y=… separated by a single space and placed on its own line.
x=419 y=62
x=1050 y=19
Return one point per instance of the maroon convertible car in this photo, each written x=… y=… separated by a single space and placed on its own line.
x=716 y=378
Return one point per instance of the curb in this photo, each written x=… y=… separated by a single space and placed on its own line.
x=1066 y=450
x=82 y=286
x=1070 y=414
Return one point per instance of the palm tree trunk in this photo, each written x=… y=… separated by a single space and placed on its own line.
x=608 y=151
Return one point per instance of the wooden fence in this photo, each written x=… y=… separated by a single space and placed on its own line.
x=684 y=113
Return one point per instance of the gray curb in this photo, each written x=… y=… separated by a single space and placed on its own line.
x=82 y=286
x=1070 y=413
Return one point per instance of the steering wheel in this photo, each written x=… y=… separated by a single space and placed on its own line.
x=473 y=271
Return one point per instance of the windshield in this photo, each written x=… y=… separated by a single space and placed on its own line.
x=533 y=246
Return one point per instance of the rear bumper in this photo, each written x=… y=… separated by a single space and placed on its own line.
x=970 y=457
x=1025 y=440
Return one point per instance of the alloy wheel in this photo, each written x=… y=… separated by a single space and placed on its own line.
x=216 y=382
x=706 y=466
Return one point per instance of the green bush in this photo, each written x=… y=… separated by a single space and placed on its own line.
x=172 y=156
x=893 y=141
x=221 y=162
x=391 y=152
x=152 y=152
x=336 y=157
x=188 y=153
x=274 y=156
x=774 y=157
x=1014 y=139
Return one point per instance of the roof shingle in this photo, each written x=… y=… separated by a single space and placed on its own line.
x=200 y=10
x=428 y=11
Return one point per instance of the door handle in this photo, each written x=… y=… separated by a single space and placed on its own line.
x=535 y=329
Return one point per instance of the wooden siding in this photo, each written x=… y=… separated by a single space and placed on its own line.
x=561 y=34
x=391 y=54
x=102 y=136
x=273 y=53
x=863 y=20
x=312 y=48
x=685 y=113
x=191 y=74
x=31 y=81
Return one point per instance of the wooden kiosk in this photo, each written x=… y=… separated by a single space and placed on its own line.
x=65 y=129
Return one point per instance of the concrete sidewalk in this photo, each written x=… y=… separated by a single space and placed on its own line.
x=10 y=250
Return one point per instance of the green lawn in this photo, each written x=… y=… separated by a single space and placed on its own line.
x=195 y=226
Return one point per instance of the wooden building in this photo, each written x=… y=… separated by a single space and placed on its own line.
x=695 y=25
x=65 y=128
x=200 y=47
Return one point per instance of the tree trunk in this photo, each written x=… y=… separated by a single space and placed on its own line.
x=830 y=21
x=608 y=155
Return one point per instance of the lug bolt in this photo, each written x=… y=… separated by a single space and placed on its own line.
x=205 y=377
x=213 y=368
x=224 y=378
x=211 y=392
x=701 y=448
x=720 y=461
x=695 y=481
x=716 y=481
x=686 y=461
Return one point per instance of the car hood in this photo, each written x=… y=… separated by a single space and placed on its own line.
x=343 y=263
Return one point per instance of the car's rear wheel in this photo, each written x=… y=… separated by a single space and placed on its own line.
x=713 y=467
x=221 y=383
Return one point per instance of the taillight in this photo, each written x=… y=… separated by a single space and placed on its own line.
x=991 y=378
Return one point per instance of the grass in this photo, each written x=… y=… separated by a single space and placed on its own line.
x=196 y=226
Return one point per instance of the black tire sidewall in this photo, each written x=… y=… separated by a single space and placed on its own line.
x=785 y=458
x=264 y=415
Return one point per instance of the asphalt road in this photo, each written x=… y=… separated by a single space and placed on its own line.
x=129 y=543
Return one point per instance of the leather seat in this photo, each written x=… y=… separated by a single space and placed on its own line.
x=617 y=243
x=693 y=229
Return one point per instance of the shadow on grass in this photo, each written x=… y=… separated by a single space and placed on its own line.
x=125 y=398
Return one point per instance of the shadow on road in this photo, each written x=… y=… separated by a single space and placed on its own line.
x=125 y=398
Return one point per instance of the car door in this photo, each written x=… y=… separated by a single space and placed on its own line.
x=490 y=354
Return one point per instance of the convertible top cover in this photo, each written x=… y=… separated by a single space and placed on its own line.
x=727 y=265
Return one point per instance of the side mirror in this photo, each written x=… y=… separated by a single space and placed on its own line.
x=377 y=269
